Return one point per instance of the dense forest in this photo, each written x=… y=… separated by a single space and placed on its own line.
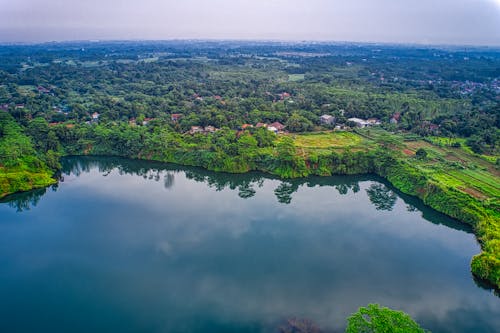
x=432 y=115
x=451 y=92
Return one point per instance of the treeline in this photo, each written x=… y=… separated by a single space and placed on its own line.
x=233 y=151
x=225 y=150
x=22 y=168
x=434 y=92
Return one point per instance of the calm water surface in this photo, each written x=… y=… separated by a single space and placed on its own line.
x=129 y=246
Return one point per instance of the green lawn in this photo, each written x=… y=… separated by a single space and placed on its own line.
x=296 y=77
x=323 y=140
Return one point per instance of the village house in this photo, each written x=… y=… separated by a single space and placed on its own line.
x=284 y=95
x=43 y=90
x=373 y=121
x=210 y=129
x=359 y=122
x=395 y=118
x=272 y=129
x=95 y=116
x=259 y=125
x=279 y=126
x=326 y=119
x=245 y=126
x=175 y=117
x=196 y=129
x=147 y=121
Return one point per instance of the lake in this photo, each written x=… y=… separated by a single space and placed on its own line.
x=132 y=246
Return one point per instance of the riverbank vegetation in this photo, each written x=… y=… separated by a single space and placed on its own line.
x=21 y=168
x=207 y=105
x=377 y=319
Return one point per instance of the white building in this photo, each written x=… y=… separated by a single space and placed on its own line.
x=327 y=119
x=272 y=129
x=359 y=122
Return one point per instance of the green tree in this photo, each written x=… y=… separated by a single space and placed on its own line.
x=377 y=319
x=298 y=123
x=421 y=154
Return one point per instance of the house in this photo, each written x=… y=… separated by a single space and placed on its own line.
x=196 y=129
x=359 y=122
x=279 y=126
x=175 y=117
x=259 y=125
x=373 y=121
x=284 y=95
x=326 y=119
x=147 y=121
x=43 y=90
x=272 y=129
x=245 y=126
x=395 y=118
x=95 y=116
x=210 y=129
x=19 y=106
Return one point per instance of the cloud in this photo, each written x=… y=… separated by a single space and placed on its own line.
x=425 y=21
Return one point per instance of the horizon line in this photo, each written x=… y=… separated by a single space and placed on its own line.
x=249 y=40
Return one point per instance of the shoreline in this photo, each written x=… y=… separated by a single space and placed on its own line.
x=485 y=266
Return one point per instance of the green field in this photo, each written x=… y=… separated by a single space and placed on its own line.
x=296 y=77
x=325 y=140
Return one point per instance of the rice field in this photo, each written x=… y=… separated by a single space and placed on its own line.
x=328 y=140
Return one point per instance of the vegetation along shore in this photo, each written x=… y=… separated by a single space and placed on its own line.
x=430 y=132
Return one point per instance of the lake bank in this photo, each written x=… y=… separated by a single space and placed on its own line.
x=197 y=248
x=406 y=178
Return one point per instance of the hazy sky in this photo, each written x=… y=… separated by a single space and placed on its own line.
x=420 y=21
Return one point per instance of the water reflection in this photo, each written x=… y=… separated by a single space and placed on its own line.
x=382 y=197
x=25 y=200
x=173 y=249
x=381 y=194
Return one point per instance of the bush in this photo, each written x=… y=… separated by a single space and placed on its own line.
x=376 y=319
x=421 y=153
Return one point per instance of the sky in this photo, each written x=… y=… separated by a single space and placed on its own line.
x=474 y=22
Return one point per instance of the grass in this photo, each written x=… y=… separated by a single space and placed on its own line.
x=26 y=90
x=458 y=168
x=329 y=140
x=296 y=77
x=454 y=167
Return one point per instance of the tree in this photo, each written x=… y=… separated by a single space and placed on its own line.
x=264 y=137
x=381 y=197
x=376 y=319
x=421 y=154
x=38 y=129
x=298 y=123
